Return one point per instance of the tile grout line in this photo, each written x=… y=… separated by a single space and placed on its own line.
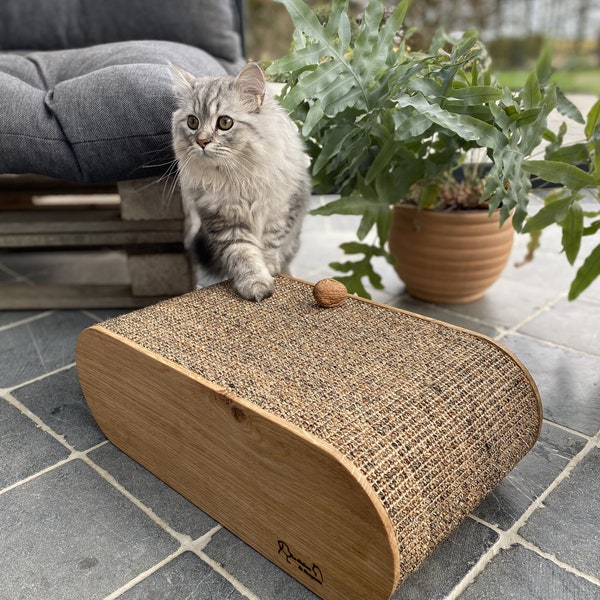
x=196 y=547
x=12 y=388
x=510 y=537
x=185 y=542
x=82 y=455
x=238 y=585
x=89 y=312
x=553 y=558
x=7 y=395
x=532 y=315
x=48 y=469
x=503 y=331
x=31 y=319
x=181 y=538
x=569 y=430
x=514 y=329
x=551 y=344
x=35 y=475
x=507 y=539
x=145 y=574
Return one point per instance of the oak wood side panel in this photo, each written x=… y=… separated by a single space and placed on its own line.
x=289 y=495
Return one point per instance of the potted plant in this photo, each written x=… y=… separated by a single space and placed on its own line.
x=389 y=127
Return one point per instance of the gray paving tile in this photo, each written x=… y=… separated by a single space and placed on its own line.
x=58 y=401
x=567 y=525
x=12 y=317
x=186 y=576
x=69 y=534
x=569 y=382
x=549 y=268
x=519 y=574
x=252 y=569
x=319 y=246
x=538 y=469
x=5 y=275
x=40 y=346
x=506 y=303
x=573 y=324
x=24 y=448
x=174 y=509
x=448 y=564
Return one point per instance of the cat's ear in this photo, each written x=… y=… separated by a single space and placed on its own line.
x=250 y=85
x=182 y=80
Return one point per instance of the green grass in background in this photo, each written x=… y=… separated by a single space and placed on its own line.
x=581 y=81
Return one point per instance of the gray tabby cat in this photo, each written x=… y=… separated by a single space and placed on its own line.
x=243 y=168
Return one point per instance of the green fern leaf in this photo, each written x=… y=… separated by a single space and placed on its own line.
x=586 y=274
x=467 y=127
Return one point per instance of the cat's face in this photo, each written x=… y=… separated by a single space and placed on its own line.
x=215 y=123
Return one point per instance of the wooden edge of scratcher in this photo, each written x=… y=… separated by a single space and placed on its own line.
x=291 y=496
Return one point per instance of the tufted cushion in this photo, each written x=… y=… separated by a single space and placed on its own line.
x=213 y=25
x=92 y=115
x=102 y=113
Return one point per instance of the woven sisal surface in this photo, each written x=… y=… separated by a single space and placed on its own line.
x=433 y=416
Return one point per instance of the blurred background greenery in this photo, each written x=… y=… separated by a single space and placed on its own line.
x=514 y=31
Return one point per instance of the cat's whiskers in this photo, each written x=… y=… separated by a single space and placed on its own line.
x=244 y=175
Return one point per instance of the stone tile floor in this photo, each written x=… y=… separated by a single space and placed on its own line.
x=79 y=520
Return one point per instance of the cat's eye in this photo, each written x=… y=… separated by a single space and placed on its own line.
x=224 y=122
x=193 y=122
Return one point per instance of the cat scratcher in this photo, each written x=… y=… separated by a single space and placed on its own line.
x=344 y=444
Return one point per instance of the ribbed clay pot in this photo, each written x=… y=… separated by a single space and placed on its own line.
x=449 y=257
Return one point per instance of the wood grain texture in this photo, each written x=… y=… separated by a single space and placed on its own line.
x=291 y=496
x=150 y=199
x=86 y=227
x=19 y=296
x=16 y=191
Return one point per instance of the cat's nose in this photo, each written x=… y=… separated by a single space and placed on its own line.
x=203 y=142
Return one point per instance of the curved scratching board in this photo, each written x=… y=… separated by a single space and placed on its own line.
x=343 y=444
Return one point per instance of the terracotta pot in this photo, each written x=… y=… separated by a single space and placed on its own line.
x=449 y=257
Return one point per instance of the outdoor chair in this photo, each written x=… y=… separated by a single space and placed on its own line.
x=85 y=107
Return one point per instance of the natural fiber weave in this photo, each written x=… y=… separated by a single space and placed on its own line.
x=432 y=416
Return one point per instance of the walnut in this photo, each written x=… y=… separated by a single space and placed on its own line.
x=329 y=293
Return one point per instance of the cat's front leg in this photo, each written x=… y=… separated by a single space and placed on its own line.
x=246 y=266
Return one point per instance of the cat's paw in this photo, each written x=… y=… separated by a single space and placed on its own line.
x=274 y=268
x=256 y=289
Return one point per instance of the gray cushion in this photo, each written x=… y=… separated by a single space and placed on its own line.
x=92 y=115
x=102 y=113
x=213 y=25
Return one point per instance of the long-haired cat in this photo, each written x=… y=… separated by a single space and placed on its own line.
x=243 y=169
